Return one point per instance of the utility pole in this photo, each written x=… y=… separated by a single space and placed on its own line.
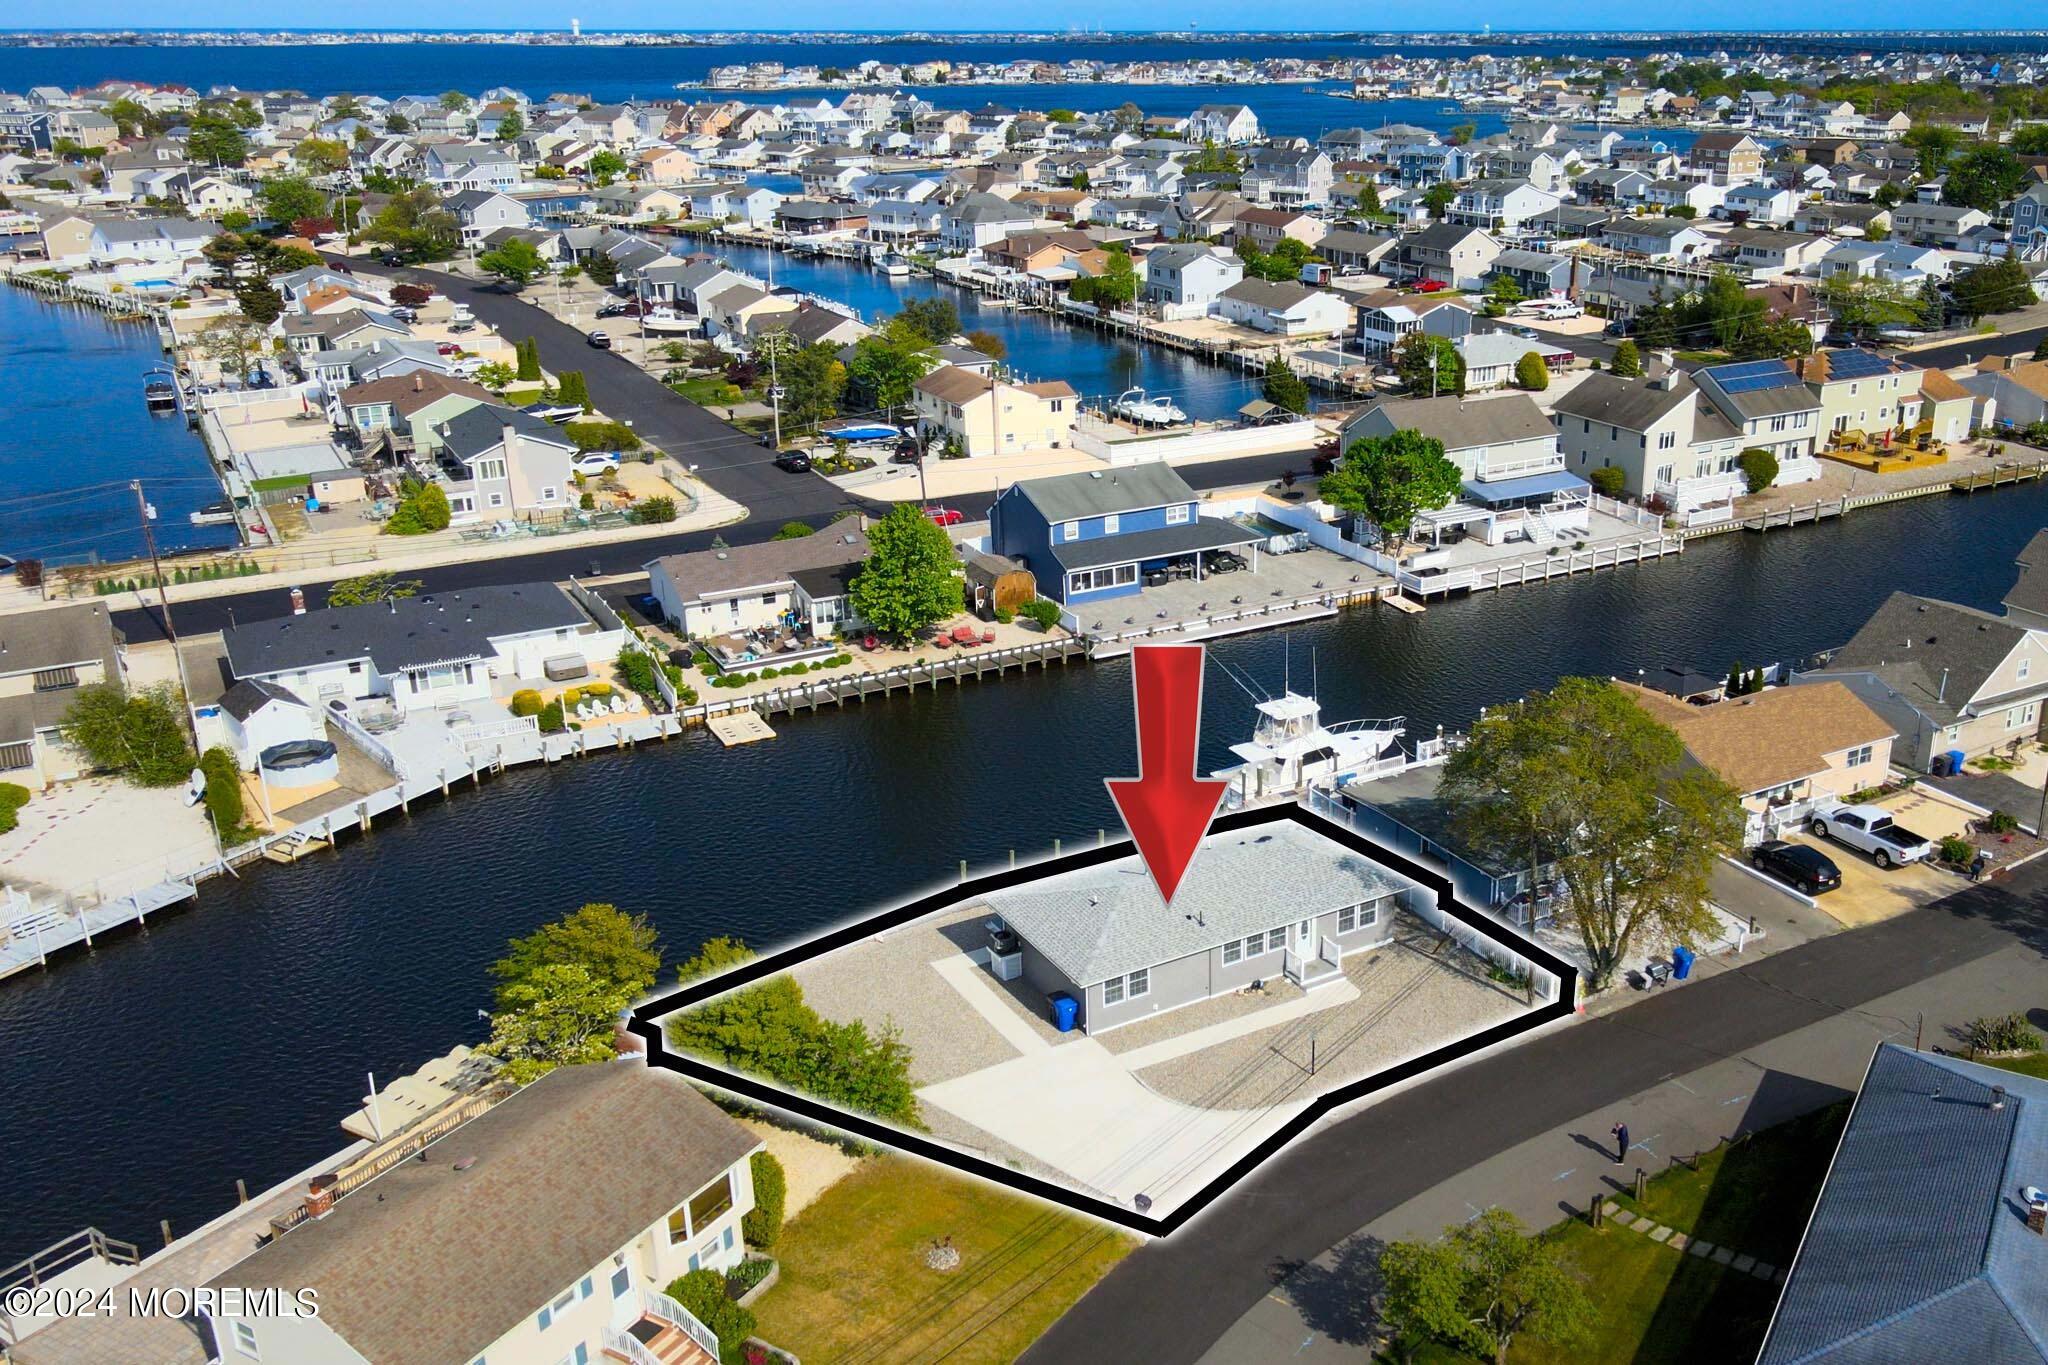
x=775 y=393
x=163 y=596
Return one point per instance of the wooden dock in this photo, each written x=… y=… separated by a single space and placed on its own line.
x=2001 y=476
x=1400 y=603
x=739 y=727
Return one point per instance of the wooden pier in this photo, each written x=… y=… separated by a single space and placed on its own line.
x=2000 y=477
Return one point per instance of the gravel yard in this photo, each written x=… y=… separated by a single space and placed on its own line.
x=1409 y=1002
x=889 y=979
x=1221 y=1009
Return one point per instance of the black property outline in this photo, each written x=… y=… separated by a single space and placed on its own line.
x=644 y=1019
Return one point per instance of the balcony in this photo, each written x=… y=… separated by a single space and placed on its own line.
x=1494 y=472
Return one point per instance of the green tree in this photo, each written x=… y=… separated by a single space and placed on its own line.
x=233 y=342
x=1863 y=305
x=621 y=952
x=934 y=319
x=988 y=343
x=422 y=508
x=285 y=198
x=559 y=1014
x=224 y=801
x=606 y=166
x=320 y=156
x=1583 y=778
x=1888 y=196
x=214 y=141
x=495 y=375
x=1984 y=178
x=1369 y=199
x=1934 y=143
x=1483 y=1284
x=1115 y=287
x=886 y=363
x=1759 y=468
x=1391 y=479
x=1531 y=373
x=1608 y=480
x=140 y=735
x=1502 y=294
x=416 y=224
x=517 y=262
x=260 y=303
x=129 y=116
x=1437 y=198
x=1999 y=286
x=1413 y=355
x=1283 y=388
x=454 y=101
x=907 y=581
x=511 y=127
x=371 y=588
x=1774 y=339
x=2041 y=349
x=396 y=122
x=602 y=270
x=702 y=1292
x=570 y=387
x=528 y=352
x=795 y=530
x=1628 y=361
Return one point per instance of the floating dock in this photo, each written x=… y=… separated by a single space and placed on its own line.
x=739 y=727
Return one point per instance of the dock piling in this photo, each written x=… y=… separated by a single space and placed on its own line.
x=165 y=1226
x=241 y=1190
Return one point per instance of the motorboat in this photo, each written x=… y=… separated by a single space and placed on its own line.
x=893 y=265
x=670 y=324
x=1291 y=749
x=1133 y=405
x=160 y=394
x=221 y=513
x=859 y=433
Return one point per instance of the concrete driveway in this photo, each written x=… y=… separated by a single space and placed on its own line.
x=1869 y=893
x=1078 y=1109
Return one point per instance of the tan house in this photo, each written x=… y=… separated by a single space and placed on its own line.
x=664 y=166
x=1947 y=409
x=544 y=1229
x=1944 y=677
x=1783 y=749
x=1031 y=252
x=45 y=657
x=987 y=416
x=67 y=237
x=1727 y=158
x=1264 y=228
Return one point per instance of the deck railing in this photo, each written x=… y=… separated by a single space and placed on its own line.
x=659 y=1305
x=627 y=1347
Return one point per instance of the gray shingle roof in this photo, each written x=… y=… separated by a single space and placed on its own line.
x=1070 y=497
x=1466 y=424
x=1106 y=921
x=251 y=695
x=475 y=430
x=702 y=574
x=2030 y=590
x=1911 y=642
x=1918 y=1248
x=1200 y=533
x=1631 y=404
x=412 y=632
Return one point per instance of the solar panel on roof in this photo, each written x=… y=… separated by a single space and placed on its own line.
x=1856 y=364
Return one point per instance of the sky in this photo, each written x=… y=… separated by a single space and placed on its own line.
x=940 y=15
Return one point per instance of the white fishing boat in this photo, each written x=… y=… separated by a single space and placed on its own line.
x=894 y=266
x=1133 y=405
x=1291 y=749
x=671 y=324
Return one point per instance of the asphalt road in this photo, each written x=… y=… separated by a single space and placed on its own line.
x=1972 y=349
x=1169 y=1301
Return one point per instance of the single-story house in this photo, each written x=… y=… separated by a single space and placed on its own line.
x=45 y=657
x=1276 y=902
x=260 y=715
x=747 y=587
x=1283 y=307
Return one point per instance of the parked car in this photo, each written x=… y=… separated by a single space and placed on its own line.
x=1227 y=561
x=592 y=463
x=632 y=308
x=392 y=258
x=795 y=461
x=946 y=516
x=1869 y=829
x=1430 y=286
x=1797 y=865
x=1900 y=334
x=601 y=340
x=404 y=314
x=447 y=348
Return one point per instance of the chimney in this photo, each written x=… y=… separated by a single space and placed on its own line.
x=1666 y=359
x=320 y=1196
x=298 y=601
x=2037 y=1209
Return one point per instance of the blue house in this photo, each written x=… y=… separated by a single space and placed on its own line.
x=1087 y=537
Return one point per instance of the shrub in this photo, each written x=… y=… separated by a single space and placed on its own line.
x=527 y=702
x=587 y=501
x=13 y=796
x=746 y=1275
x=763 y=1224
x=1531 y=373
x=1042 y=610
x=570 y=697
x=2001 y=822
x=1956 y=849
x=602 y=436
x=655 y=510
x=1759 y=468
x=1004 y=616
x=141 y=735
x=1607 y=480
x=700 y=660
x=224 y=794
x=550 y=717
x=703 y=1293
x=2002 y=1033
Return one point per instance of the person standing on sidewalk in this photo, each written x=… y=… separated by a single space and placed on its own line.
x=1620 y=1131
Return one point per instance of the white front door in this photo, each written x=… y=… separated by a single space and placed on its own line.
x=1306 y=942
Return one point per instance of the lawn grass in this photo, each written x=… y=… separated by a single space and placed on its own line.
x=519 y=396
x=1750 y=1196
x=2034 y=1064
x=1657 y=1306
x=709 y=390
x=855 y=1286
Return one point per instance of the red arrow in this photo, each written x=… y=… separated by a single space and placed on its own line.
x=1166 y=807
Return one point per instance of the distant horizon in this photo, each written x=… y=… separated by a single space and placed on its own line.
x=1196 y=35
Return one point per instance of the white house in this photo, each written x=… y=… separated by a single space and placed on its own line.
x=1223 y=123
x=1184 y=279
x=1283 y=307
x=748 y=587
x=437 y=649
x=259 y=716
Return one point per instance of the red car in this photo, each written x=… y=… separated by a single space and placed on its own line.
x=946 y=516
x=1429 y=286
x=448 y=348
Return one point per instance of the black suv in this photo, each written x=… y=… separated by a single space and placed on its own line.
x=795 y=461
x=1808 y=869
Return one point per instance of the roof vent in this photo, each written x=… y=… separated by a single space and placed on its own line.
x=1997 y=1099
x=464 y=1163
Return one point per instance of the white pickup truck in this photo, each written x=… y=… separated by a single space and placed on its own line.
x=1870 y=830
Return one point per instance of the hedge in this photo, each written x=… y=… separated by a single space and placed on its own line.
x=703 y=1293
x=13 y=797
x=224 y=793
x=763 y=1223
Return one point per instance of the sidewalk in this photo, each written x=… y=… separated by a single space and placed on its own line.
x=1315 y=1314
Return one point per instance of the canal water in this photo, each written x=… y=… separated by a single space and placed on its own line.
x=1099 y=365
x=229 y=1040
x=77 y=431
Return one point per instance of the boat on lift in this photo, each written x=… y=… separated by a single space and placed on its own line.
x=1133 y=405
x=1291 y=750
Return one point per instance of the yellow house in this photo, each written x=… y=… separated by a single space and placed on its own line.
x=1783 y=749
x=988 y=416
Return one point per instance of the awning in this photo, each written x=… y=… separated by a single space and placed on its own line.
x=1528 y=486
x=1202 y=533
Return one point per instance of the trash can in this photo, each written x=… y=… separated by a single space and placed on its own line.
x=1066 y=1011
x=1939 y=768
x=1955 y=762
x=1681 y=962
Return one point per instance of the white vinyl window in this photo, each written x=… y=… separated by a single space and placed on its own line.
x=1357 y=917
x=1177 y=514
x=1861 y=755
x=1119 y=989
x=1070 y=530
x=1110 y=524
x=1233 y=952
x=245 y=1341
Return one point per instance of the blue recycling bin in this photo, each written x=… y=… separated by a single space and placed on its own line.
x=1066 y=1011
x=1681 y=962
x=1955 y=762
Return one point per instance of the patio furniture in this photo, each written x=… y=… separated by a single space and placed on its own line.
x=619 y=707
x=943 y=641
x=965 y=635
x=988 y=637
x=870 y=644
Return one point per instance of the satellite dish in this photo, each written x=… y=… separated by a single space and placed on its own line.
x=195 y=788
